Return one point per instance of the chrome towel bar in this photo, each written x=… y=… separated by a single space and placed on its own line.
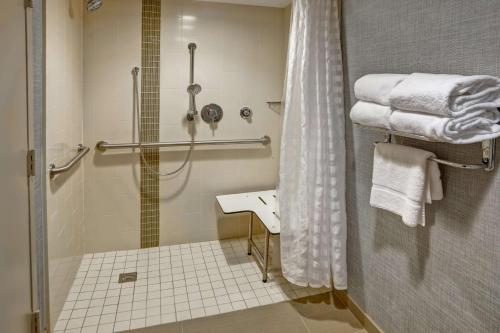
x=103 y=145
x=81 y=151
x=484 y=166
x=488 y=148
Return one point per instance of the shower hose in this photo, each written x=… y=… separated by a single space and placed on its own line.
x=137 y=104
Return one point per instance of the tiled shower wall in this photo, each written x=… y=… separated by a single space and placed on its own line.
x=240 y=61
x=64 y=112
x=111 y=48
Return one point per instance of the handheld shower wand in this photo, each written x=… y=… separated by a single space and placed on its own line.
x=193 y=89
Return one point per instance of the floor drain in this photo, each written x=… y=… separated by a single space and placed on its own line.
x=127 y=277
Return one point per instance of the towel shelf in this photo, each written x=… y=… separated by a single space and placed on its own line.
x=488 y=149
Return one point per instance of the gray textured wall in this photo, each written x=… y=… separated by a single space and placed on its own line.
x=444 y=277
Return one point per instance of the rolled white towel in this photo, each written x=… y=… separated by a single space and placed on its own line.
x=371 y=114
x=446 y=95
x=376 y=88
x=468 y=128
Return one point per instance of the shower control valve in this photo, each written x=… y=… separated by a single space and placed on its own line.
x=211 y=113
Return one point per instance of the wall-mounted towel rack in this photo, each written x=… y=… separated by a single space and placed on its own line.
x=81 y=151
x=488 y=148
x=103 y=145
x=272 y=103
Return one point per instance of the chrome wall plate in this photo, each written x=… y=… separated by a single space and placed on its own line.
x=127 y=277
x=246 y=112
x=211 y=113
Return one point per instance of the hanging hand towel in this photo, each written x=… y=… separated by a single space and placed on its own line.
x=446 y=95
x=371 y=114
x=404 y=180
x=472 y=127
x=376 y=88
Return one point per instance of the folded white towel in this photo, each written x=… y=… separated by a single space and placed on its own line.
x=376 y=88
x=446 y=95
x=404 y=179
x=472 y=127
x=371 y=114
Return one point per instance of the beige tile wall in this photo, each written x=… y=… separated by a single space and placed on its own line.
x=112 y=47
x=239 y=62
x=64 y=105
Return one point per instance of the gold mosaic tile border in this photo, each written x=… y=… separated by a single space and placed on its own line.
x=150 y=121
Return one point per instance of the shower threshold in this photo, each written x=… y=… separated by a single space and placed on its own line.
x=174 y=283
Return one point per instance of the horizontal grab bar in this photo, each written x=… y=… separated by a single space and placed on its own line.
x=103 y=145
x=82 y=151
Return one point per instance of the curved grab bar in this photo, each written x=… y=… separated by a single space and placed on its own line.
x=82 y=151
x=103 y=145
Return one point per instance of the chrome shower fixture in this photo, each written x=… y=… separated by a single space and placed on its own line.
x=211 y=113
x=246 y=113
x=193 y=89
x=191 y=47
x=93 y=5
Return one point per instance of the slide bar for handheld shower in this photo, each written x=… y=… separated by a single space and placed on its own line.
x=191 y=47
x=103 y=145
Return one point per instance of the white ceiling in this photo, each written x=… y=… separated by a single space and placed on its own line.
x=267 y=3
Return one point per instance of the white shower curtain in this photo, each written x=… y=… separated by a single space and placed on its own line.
x=311 y=190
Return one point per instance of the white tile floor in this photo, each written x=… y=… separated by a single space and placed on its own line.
x=174 y=283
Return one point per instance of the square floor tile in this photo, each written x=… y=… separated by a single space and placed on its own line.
x=91 y=321
x=75 y=323
x=137 y=323
x=174 y=283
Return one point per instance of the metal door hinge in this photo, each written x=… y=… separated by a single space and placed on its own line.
x=28 y=3
x=35 y=322
x=30 y=162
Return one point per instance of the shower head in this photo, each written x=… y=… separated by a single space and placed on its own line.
x=194 y=89
x=93 y=4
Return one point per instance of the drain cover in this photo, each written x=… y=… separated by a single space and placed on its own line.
x=127 y=277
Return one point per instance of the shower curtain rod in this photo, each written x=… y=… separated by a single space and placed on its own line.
x=103 y=145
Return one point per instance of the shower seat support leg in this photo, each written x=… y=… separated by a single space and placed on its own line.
x=250 y=228
x=266 y=255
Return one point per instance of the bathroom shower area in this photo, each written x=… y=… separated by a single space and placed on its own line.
x=173 y=103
